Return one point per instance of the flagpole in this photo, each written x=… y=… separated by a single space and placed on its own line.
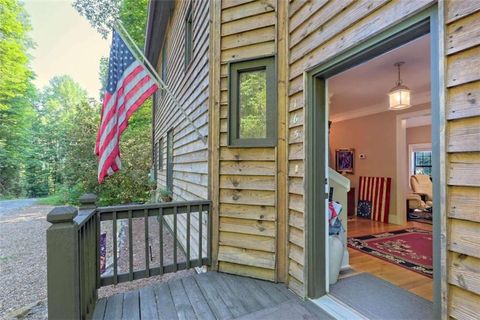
x=159 y=79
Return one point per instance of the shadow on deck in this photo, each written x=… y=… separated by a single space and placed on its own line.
x=209 y=296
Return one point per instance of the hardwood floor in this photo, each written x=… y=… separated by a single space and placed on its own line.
x=362 y=262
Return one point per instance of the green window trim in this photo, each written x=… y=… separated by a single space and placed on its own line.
x=163 y=70
x=170 y=160
x=155 y=162
x=160 y=155
x=188 y=36
x=266 y=64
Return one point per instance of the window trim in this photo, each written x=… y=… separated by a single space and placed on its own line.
x=234 y=68
x=155 y=176
x=188 y=43
x=170 y=162
x=412 y=148
x=160 y=154
x=163 y=67
x=415 y=147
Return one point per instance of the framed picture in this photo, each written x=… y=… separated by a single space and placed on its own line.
x=344 y=160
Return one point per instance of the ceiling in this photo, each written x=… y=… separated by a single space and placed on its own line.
x=363 y=90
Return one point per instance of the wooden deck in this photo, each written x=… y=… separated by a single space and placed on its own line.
x=209 y=296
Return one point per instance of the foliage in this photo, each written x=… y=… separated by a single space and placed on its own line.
x=253 y=104
x=16 y=95
x=100 y=13
x=51 y=200
x=47 y=138
x=163 y=194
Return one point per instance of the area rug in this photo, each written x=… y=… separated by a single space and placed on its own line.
x=378 y=299
x=409 y=248
x=420 y=216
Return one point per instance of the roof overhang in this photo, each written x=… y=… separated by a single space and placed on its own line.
x=157 y=21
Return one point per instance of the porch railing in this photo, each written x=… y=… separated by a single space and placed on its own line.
x=74 y=251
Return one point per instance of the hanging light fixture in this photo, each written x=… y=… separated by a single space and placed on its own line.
x=399 y=96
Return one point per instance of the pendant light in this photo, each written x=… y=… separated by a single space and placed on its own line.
x=399 y=96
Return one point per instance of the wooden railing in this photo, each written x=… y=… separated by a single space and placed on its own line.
x=160 y=211
x=74 y=251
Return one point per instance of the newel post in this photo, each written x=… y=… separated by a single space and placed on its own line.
x=88 y=201
x=62 y=264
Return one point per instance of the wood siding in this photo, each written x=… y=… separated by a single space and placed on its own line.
x=247 y=176
x=319 y=30
x=462 y=55
x=189 y=84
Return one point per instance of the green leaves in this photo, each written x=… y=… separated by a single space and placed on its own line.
x=16 y=95
x=47 y=138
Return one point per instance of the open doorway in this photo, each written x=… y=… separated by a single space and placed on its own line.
x=381 y=154
x=390 y=241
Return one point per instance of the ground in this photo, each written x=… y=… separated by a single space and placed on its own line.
x=23 y=262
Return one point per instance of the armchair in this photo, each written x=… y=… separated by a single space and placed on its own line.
x=422 y=186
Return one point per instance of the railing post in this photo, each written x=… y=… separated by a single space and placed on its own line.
x=62 y=264
x=88 y=201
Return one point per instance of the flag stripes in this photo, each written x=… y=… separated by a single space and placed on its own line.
x=129 y=85
x=376 y=190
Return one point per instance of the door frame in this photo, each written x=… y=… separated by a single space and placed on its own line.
x=430 y=21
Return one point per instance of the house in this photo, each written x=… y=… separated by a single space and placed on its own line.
x=293 y=98
x=262 y=189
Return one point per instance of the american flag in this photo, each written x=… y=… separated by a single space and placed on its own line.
x=129 y=85
x=376 y=190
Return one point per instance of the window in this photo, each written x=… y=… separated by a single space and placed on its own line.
x=160 y=155
x=188 y=36
x=422 y=162
x=163 y=71
x=170 y=160
x=164 y=62
x=155 y=162
x=419 y=159
x=252 y=114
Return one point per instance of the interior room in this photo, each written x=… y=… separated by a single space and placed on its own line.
x=380 y=140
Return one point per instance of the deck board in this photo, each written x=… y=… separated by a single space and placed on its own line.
x=248 y=301
x=181 y=301
x=114 y=308
x=99 y=309
x=165 y=306
x=209 y=296
x=199 y=304
x=131 y=306
x=148 y=303
x=214 y=298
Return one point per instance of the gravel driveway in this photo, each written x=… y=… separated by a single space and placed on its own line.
x=23 y=262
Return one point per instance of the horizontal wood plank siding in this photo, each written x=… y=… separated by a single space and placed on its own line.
x=247 y=181
x=462 y=48
x=319 y=30
x=189 y=84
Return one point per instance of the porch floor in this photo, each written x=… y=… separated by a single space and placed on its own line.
x=211 y=295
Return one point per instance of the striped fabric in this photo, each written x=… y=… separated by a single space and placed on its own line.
x=376 y=190
x=129 y=85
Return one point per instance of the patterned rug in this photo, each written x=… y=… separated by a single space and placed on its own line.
x=420 y=216
x=409 y=248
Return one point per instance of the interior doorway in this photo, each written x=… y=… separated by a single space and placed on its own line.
x=344 y=135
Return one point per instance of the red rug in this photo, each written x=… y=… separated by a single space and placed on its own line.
x=408 y=248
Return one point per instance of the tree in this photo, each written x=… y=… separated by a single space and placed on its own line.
x=100 y=13
x=56 y=111
x=16 y=95
x=131 y=184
